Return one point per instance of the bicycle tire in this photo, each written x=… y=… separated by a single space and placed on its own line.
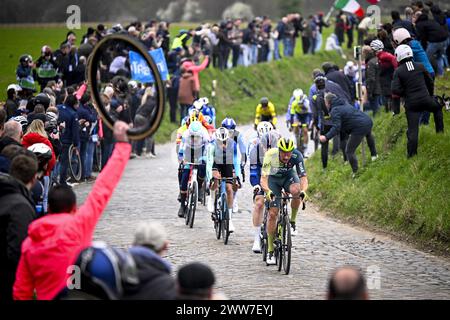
x=218 y=221
x=193 y=204
x=188 y=211
x=264 y=247
x=75 y=164
x=286 y=245
x=225 y=220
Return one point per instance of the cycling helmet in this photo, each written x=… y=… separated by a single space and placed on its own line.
x=208 y=119
x=193 y=116
x=286 y=145
x=104 y=271
x=269 y=140
x=42 y=152
x=22 y=121
x=298 y=93
x=205 y=101
x=320 y=82
x=26 y=58
x=377 y=45
x=403 y=52
x=399 y=35
x=195 y=129
x=14 y=87
x=264 y=101
x=222 y=134
x=264 y=127
x=198 y=104
x=229 y=123
x=46 y=50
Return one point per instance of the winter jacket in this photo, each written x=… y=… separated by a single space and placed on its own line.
x=339 y=77
x=155 y=281
x=16 y=213
x=31 y=138
x=373 y=76
x=429 y=30
x=186 y=89
x=6 y=141
x=89 y=114
x=413 y=83
x=421 y=56
x=10 y=107
x=191 y=66
x=71 y=133
x=55 y=241
x=348 y=120
x=387 y=64
x=404 y=24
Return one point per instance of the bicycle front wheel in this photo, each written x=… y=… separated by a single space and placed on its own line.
x=225 y=219
x=286 y=245
x=218 y=220
x=75 y=165
x=193 y=203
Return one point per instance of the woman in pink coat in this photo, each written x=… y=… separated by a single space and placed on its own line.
x=54 y=241
x=191 y=66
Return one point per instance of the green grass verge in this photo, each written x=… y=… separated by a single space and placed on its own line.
x=407 y=197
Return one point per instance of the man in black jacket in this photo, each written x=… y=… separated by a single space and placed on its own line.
x=413 y=83
x=433 y=37
x=333 y=73
x=345 y=118
x=17 y=211
x=155 y=281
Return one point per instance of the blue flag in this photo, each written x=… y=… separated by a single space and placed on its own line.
x=141 y=72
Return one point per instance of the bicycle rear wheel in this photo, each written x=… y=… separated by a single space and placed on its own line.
x=286 y=245
x=75 y=164
x=193 y=203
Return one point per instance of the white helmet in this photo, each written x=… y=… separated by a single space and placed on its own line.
x=198 y=104
x=15 y=87
x=195 y=129
x=298 y=93
x=377 y=45
x=222 y=134
x=399 y=35
x=205 y=101
x=403 y=52
x=264 y=127
x=350 y=64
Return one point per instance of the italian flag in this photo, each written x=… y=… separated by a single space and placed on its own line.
x=351 y=6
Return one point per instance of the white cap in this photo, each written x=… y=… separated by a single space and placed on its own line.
x=150 y=234
x=15 y=87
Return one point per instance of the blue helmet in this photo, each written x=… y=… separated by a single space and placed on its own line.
x=229 y=123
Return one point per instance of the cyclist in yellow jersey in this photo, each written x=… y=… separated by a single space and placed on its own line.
x=265 y=111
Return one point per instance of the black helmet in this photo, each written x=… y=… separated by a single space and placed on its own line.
x=264 y=101
x=26 y=58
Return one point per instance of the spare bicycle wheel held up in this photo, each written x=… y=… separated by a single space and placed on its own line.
x=119 y=66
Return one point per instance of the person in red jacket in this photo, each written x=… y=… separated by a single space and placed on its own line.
x=55 y=240
x=36 y=134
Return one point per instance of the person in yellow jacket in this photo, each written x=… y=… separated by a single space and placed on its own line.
x=265 y=111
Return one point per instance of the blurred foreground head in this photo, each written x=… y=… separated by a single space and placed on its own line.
x=347 y=283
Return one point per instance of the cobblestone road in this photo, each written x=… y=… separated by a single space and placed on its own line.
x=149 y=189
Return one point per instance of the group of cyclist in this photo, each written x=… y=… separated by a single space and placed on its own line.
x=276 y=165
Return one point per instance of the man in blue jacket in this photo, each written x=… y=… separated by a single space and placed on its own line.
x=345 y=118
x=71 y=133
